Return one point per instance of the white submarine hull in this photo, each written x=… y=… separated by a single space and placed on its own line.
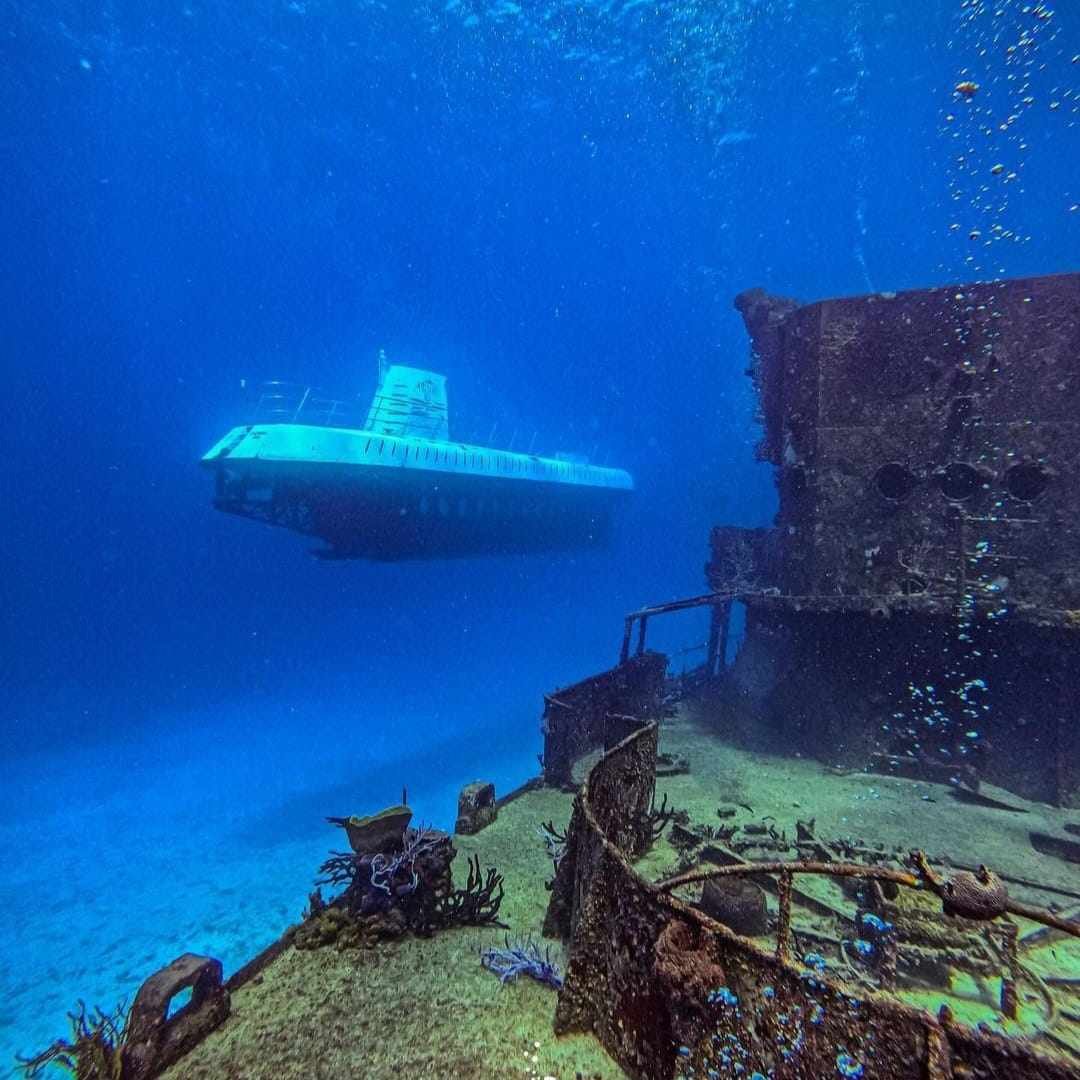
x=369 y=493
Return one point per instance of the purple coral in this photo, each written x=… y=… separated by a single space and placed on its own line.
x=522 y=957
x=385 y=868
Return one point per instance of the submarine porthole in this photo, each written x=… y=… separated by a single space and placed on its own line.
x=894 y=481
x=1026 y=481
x=959 y=481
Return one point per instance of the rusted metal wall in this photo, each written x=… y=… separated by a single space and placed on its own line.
x=593 y=713
x=926 y=447
x=670 y=992
x=836 y=685
x=907 y=428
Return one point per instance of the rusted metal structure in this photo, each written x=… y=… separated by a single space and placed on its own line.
x=895 y=420
x=154 y=1039
x=669 y=991
x=925 y=446
x=598 y=712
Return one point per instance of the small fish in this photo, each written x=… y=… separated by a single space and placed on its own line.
x=967 y=88
x=733 y=138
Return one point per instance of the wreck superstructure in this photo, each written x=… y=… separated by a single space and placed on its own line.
x=917 y=602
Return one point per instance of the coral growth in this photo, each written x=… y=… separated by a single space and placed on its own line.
x=522 y=957
x=374 y=882
x=555 y=842
x=93 y=1051
x=387 y=893
x=659 y=817
x=684 y=964
x=475 y=905
x=335 y=926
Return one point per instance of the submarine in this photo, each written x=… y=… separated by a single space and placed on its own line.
x=399 y=488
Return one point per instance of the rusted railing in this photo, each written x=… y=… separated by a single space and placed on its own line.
x=667 y=989
x=720 y=603
x=592 y=713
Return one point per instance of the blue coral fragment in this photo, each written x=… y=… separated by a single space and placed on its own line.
x=723 y=996
x=875 y=923
x=848 y=1067
x=522 y=957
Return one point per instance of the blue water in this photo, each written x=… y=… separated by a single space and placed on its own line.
x=553 y=204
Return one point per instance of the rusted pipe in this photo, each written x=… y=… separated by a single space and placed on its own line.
x=783 y=926
x=926 y=879
x=643 y=623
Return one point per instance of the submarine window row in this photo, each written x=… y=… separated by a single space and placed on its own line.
x=437 y=455
x=959 y=481
x=461 y=506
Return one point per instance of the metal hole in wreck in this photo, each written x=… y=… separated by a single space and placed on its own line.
x=894 y=481
x=959 y=481
x=1026 y=481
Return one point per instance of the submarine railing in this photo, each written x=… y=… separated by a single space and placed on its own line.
x=282 y=402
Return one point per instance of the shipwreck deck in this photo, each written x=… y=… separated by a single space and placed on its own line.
x=426 y=1008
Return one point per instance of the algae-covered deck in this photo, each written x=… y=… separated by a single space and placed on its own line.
x=424 y=1007
x=416 y=1007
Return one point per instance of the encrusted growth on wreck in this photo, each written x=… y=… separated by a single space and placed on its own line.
x=913 y=608
x=597 y=712
x=406 y=884
x=905 y=428
x=668 y=990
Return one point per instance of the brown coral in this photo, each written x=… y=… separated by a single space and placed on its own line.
x=683 y=965
x=981 y=895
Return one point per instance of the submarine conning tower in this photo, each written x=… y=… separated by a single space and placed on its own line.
x=916 y=604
